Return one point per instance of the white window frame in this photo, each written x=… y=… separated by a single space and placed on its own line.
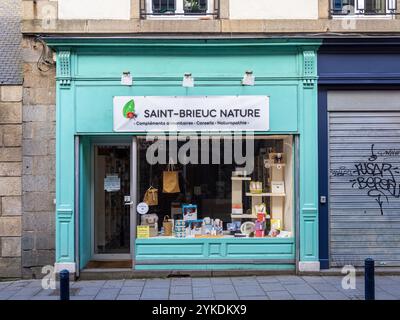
x=359 y=5
x=179 y=12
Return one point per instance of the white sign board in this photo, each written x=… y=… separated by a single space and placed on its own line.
x=191 y=113
x=142 y=208
x=112 y=183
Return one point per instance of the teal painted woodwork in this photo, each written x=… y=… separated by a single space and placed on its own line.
x=227 y=266
x=85 y=231
x=88 y=76
x=221 y=248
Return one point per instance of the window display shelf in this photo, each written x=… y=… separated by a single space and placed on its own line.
x=241 y=178
x=265 y=194
x=243 y=216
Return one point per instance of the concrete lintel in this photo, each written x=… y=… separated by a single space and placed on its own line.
x=70 y=266
x=318 y=27
x=309 y=266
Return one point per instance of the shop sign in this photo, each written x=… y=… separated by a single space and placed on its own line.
x=191 y=113
x=112 y=183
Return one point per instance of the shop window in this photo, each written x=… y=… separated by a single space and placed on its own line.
x=179 y=9
x=212 y=194
x=363 y=7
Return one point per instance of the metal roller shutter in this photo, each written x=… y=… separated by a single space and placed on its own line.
x=364 y=187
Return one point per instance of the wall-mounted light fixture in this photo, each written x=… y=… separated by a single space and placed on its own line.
x=126 y=78
x=248 y=79
x=188 y=81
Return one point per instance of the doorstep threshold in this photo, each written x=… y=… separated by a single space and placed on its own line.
x=125 y=273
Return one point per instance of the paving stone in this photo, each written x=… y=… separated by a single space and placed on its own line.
x=299 y=289
x=320 y=287
x=46 y=292
x=272 y=286
x=6 y=294
x=45 y=298
x=157 y=284
x=180 y=297
x=131 y=290
x=128 y=297
x=113 y=284
x=385 y=296
x=181 y=290
x=267 y=279
x=245 y=281
x=246 y=291
x=134 y=283
x=254 y=298
x=223 y=288
x=334 y=296
x=290 y=280
x=202 y=292
x=279 y=295
x=86 y=284
x=107 y=294
x=154 y=294
x=88 y=291
x=308 y=297
x=181 y=281
x=221 y=281
x=21 y=297
x=82 y=297
x=4 y=285
x=201 y=282
x=314 y=279
x=28 y=292
x=34 y=284
x=226 y=296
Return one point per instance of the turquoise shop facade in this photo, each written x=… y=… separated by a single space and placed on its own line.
x=89 y=76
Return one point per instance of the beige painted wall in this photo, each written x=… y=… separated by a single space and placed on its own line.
x=94 y=9
x=272 y=9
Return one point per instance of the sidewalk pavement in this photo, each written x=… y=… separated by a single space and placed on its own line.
x=284 y=287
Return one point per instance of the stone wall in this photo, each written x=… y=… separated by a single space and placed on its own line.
x=10 y=180
x=38 y=162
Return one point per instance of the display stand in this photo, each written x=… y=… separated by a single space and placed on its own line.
x=276 y=174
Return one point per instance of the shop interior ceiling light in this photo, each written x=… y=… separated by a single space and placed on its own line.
x=126 y=78
x=248 y=79
x=188 y=81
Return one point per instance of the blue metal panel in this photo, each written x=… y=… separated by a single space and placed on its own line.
x=323 y=179
x=349 y=64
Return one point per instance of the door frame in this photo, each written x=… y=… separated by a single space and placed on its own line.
x=108 y=256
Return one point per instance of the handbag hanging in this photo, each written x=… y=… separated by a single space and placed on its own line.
x=151 y=196
x=170 y=180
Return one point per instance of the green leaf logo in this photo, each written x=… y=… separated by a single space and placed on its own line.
x=129 y=110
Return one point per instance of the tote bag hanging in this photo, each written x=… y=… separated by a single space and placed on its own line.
x=151 y=196
x=170 y=180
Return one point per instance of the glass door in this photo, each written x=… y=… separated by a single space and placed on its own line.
x=111 y=201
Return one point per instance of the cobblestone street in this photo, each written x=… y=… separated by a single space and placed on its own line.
x=285 y=287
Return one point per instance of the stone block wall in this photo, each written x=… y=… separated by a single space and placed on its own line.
x=10 y=180
x=38 y=162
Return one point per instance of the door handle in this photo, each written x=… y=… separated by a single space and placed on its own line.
x=129 y=203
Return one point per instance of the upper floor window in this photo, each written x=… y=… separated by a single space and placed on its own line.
x=179 y=8
x=363 y=7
